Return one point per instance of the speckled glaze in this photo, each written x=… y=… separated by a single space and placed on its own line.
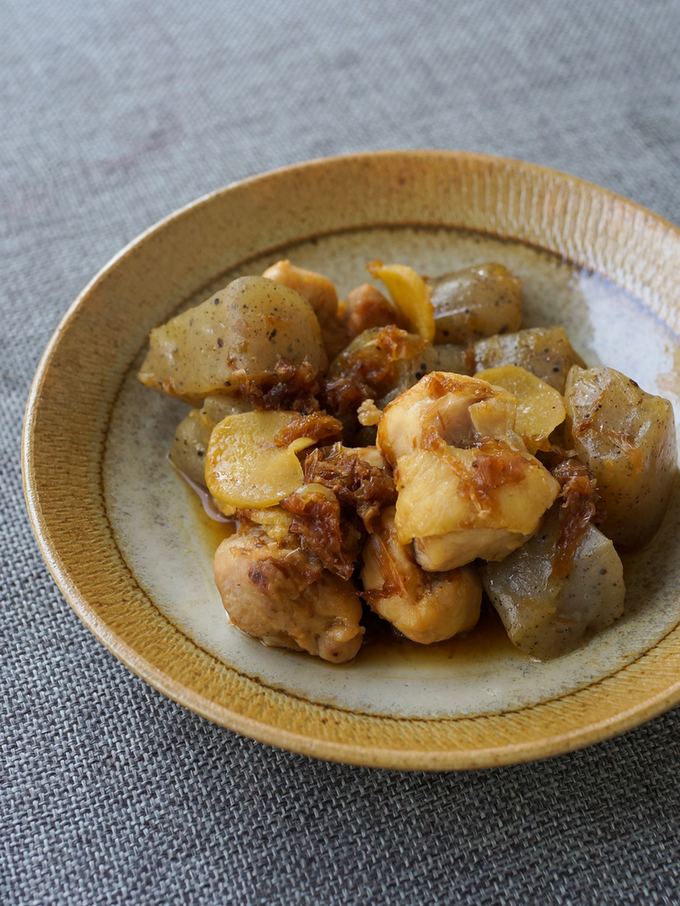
x=132 y=552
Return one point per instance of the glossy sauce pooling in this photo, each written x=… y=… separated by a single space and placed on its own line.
x=487 y=640
x=211 y=525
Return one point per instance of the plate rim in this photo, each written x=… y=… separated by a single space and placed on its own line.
x=369 y=755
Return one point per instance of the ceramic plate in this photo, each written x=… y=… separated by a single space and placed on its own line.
x=131 y=549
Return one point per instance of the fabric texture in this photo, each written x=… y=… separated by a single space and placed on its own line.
x=113 y=115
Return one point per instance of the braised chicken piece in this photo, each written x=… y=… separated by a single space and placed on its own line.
x=425 y=607
x=366 y=307
x=281 y=594
x=467 y=487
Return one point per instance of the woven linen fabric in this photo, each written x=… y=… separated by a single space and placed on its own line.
x=114 y=114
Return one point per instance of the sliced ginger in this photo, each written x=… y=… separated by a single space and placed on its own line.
x=410 y=295
x=540 y=408
x=246 y=467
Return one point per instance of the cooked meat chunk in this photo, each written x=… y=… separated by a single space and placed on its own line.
x=445 y=409
x=425 y=607
x=467 y=487
x=366 y=307
x=317 y=289
x=281 y=594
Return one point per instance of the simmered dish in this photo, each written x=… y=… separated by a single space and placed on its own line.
x=410 y=451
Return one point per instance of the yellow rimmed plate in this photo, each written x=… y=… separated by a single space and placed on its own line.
x=132 y=552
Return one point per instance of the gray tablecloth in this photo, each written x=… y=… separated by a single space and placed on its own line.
x=112 y=115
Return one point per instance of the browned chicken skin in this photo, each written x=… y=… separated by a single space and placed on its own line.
x=281 y=594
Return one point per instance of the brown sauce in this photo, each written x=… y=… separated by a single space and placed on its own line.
x=486 y=641
x=212 y=529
